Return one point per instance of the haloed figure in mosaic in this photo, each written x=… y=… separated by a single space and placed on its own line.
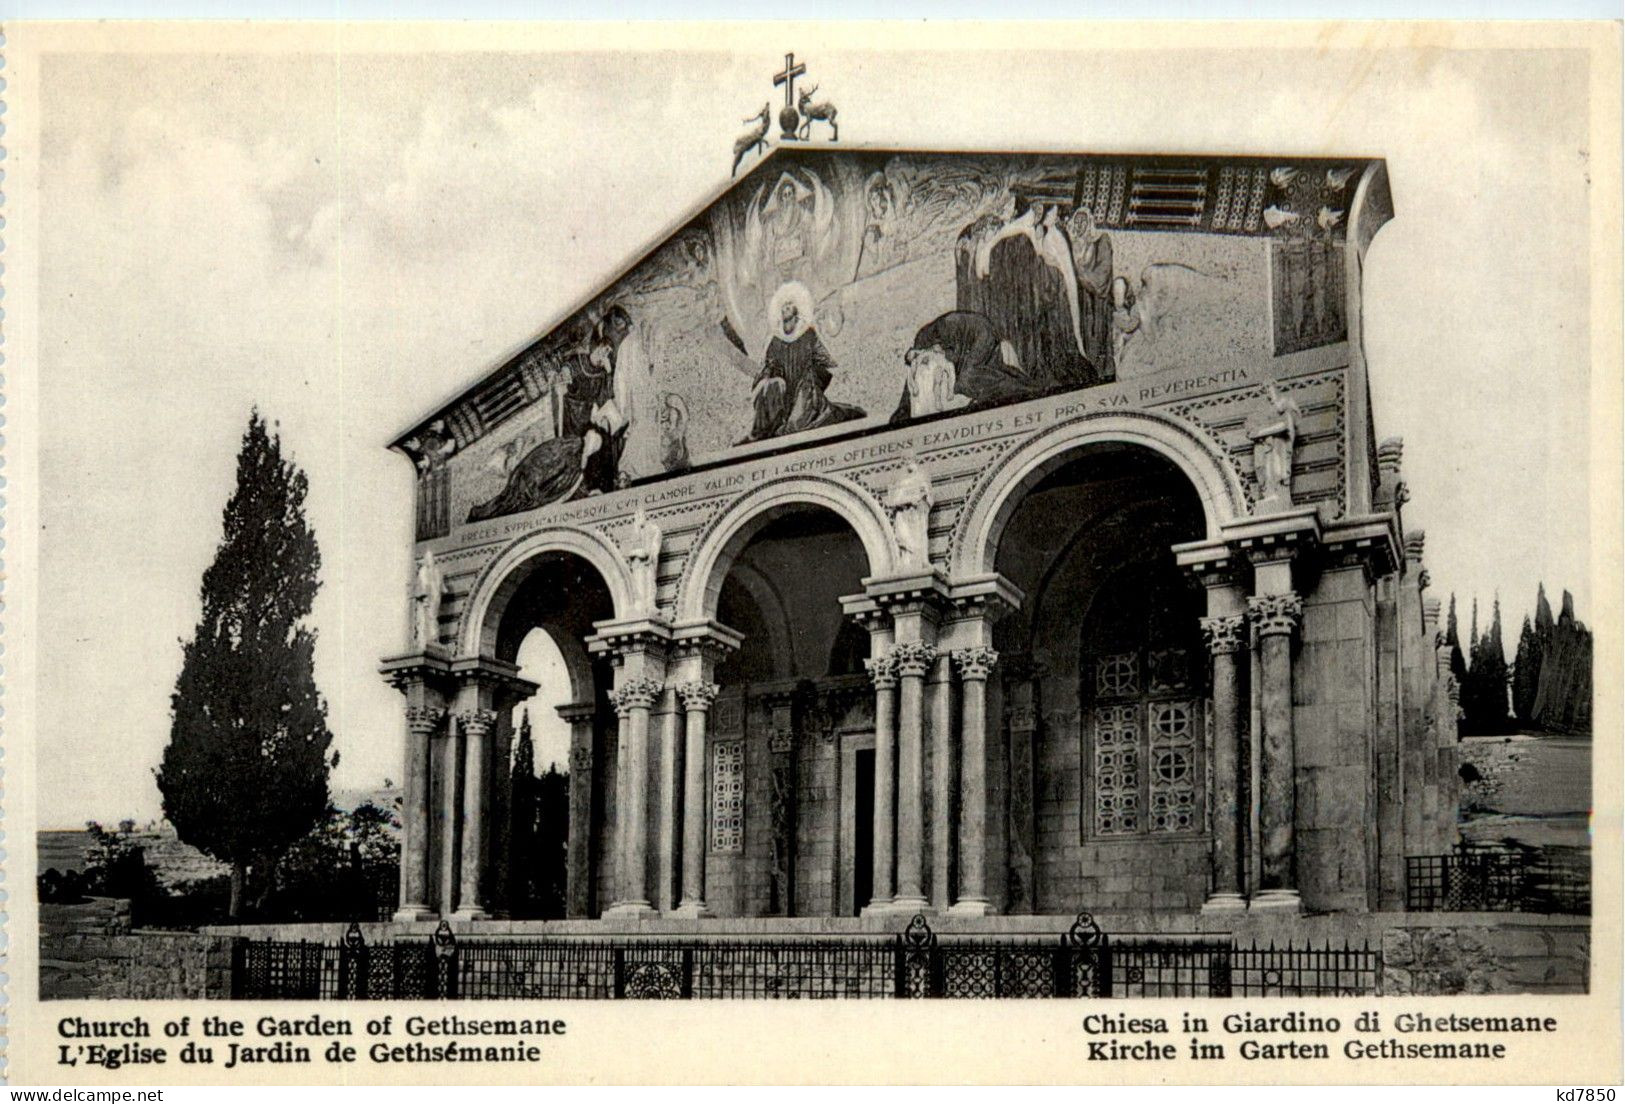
x=796 y=371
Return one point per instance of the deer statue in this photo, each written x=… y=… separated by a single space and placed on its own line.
x=754 y=137
x=820 y=112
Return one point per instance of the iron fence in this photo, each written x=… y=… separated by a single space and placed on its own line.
x=1479 y=878
x=913 y=964
x=1293 y=971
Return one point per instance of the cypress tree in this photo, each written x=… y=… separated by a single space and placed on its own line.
x=522 y=838
x=245 y=772
x=1526 y=674
x=1458 y=663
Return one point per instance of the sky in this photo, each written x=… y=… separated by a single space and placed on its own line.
x=345 y=239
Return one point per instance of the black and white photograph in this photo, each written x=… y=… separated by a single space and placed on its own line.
x=1120 y=524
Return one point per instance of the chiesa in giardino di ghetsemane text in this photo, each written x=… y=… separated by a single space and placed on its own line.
x=969 y=534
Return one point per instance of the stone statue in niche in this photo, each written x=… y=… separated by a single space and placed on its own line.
x=427 y=593
x=642 y=557
x=1274 y=434
x=909 y=505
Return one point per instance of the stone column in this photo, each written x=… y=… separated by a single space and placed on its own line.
x=476 y=725
x=913 y=660
x=883 y=671
x=623 y=798
x=1226 y=637
x=633 y=700
x=578 y=864
x=974 y=666
x=669 y=722
x=421 y=723
x=1021 y=676
x=696 y=697
x=1276 y=617
x=944 y=772
x=499 y=818
x=451 y=786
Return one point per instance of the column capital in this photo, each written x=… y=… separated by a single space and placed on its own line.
x=575 y=712
x=424 y=719
x=636 y=636
x=975 y=663
x=708 y=638
x=1213 y=563
x=988 y=597
x=499 y=676
x=697 y=695
x=918 y=590
x=1224 y=635
x=477 y=722
x=913 y=659
x=637 y=693
x=883 y=670
x=1275 y=614
x=404 y=672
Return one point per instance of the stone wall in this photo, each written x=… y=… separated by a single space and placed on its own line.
x=1485 y=958
x=88 y=951
x=1334 y=713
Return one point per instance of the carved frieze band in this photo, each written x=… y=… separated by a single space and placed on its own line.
x=697 y=695
x=1224 y=635
x=1275 y=614
x=423 y=720
x=638 y=693
x=975 y=664
x=477 y=722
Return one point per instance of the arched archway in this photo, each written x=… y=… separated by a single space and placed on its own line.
x=1000 y=493
x=556 y=585
x=497 y=584
x=1099 y=656
x=789 y=705
x=711 y=559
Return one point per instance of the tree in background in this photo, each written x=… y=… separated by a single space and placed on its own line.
x=540 y=834
x=346 y=868
x=1458 y=664
x=552 y=840
x=245 y=772
x=1563 y=697
x=1526 y=674
x=522 y=832
x=1484 y=693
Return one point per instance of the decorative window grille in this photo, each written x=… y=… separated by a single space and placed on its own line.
x=1172 y=776
x=728 y=796
x=1117 y=675
x=1117 y=770
x=1141 y=676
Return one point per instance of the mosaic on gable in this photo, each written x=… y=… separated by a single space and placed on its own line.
x=850 y=291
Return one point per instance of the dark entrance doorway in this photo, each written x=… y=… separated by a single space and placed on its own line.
x=863 y=829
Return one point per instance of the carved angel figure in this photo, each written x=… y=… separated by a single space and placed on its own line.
x=642 y=557
x=427 y=593
x=909 y=504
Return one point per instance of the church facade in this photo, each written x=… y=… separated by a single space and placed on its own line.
x=971 y=533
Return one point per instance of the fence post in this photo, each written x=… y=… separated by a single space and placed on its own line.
x=1219 y=969
x=900 y=968
x=1085 y=942
x=618 y=953
x=445 y=956
x=353 y=972
x=239 y=968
